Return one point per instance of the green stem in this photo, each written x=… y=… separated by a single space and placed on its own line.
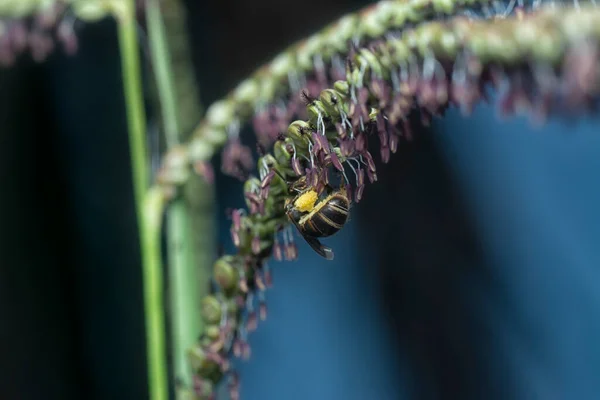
x=191 y=213
x=148 y=208
x=161 y=63
x=184 y=294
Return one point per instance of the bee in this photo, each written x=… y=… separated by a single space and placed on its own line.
x=318 y=216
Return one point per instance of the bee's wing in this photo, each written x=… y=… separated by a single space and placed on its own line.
x=321 y=250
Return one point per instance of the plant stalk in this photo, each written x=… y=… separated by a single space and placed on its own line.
x=189 y=216
x=148 y=207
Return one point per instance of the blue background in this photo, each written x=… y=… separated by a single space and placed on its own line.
x=532 y=193
x=482 y=281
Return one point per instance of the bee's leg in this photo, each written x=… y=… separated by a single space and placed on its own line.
x=279 y=174
x=322 y=250
x=283 y=178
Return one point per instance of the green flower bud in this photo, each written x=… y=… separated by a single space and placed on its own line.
x=226 y=274
x=332 y=102
x=444 y=6
x=252 y=185
x=220 y=114
x=316 y=113
x=400 y=14
x=282 y=65
x=199 y=149
x=280 y=152
x=215 y=136
x=211 y=309
x=89 y=11
x=198 y=359
x=307 y=51
x=298 y=130
x=400 y=51
x=202 y=365
x=176 y=167
x=549 y=48
x=212 y=332
x=267 y=87
x=372 y=62
x=342 y=87
x=246 y=93
x=17 y=8
x=417 y=10
x=501 y=47
x=338 y=35
x=371 y=25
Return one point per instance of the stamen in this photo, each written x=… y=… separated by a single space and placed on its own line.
x=355 y=173
x=428 y=67
x=361 y=74
x=250 y=302
x=286 y=243
x=345 y=178
x=223 y=321
x=293 y=81
x=395 y=80
x=310 y=148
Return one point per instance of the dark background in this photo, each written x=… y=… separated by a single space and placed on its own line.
x=470 y=270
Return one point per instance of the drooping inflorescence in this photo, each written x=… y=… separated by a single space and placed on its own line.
x=269 y=98
x=540 y=62
x=36 y=26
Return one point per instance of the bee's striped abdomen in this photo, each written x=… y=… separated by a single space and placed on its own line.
x=328 y=217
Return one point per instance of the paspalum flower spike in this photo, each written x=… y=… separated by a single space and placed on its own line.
x=37 y=25
x=544 y=61
x=269 y=96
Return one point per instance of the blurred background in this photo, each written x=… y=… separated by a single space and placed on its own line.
x=470 y=270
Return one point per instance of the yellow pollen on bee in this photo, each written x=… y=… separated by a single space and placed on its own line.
x=306 y=201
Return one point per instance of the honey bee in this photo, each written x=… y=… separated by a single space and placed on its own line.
x=319 y=216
